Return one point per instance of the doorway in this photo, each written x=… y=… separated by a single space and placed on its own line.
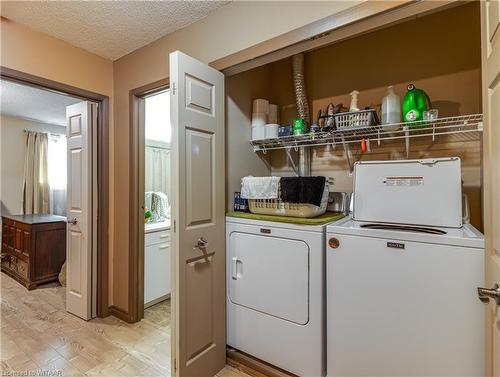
x=55 y=180
x=151 y=186
x=153 y=97
x=157 y=189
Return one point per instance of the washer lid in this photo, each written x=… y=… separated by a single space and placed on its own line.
x=422 y=192
x=466 y=236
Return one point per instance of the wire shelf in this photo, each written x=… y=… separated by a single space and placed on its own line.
x=457 y=128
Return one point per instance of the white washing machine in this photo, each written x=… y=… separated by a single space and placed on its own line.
x=401 y=297
x=275 y=293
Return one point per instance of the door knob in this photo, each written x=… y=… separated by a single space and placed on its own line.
x=72 y=222
x=486 y=294
x=201 y=244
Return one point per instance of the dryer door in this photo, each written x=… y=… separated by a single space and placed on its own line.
x=270 y=275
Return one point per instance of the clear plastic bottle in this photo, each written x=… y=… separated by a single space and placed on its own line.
x=391 y=107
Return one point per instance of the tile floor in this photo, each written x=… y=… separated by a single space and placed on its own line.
x=38 y=334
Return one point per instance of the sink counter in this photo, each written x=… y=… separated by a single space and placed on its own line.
x=155 y=227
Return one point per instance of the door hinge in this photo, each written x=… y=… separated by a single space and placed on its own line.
x=175 y=365
x=173 y=88
x=174 y=226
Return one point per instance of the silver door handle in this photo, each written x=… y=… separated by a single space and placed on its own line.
x=201 y=244
x=486 y=294
x=72 y=222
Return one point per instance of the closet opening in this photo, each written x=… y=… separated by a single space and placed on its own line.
x=368 y=63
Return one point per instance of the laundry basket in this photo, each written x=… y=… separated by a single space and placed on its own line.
x=356 y=119
x=278 y=208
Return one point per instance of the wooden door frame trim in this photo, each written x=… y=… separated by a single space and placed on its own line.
x=136 y=200
x=102 y=166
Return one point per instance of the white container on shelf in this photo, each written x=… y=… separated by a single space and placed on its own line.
x=391 y=107
x=260 y=106
x=271 y=131
x=258 y=132
x=259 y=119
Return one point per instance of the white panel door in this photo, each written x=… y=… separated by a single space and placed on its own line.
x=80 y=118
x=490 y=36
x=198 y=206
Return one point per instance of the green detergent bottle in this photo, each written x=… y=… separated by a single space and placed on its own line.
x=415 y=103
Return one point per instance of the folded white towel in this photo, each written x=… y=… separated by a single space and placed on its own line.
x=260 y=187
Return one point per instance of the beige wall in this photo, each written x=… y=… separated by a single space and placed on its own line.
x=12 y=150
x=38 y=54
x=234 y=27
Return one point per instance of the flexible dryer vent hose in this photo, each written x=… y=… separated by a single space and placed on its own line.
x=300 y=87
x=304 y=155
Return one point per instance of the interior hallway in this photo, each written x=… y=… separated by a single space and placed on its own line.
x=37 y=333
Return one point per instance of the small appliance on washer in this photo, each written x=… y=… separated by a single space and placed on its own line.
x=402 y=276
x=275 y=293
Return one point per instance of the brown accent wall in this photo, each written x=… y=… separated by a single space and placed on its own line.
x=241 y=160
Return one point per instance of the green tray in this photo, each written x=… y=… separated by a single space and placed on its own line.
x=326 y=218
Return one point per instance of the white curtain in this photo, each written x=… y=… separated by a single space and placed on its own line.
x=157 y=170
x=36 y=188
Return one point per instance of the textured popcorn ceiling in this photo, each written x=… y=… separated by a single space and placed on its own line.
x=110 y=29
x=26 y=102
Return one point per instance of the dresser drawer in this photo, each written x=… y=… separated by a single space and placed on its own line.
x=22 y=268
x=6 y=260
x=17 y=266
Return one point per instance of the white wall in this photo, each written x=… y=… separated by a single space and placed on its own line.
x=12 y=159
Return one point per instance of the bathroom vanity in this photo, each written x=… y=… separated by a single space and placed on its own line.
x=157 y=253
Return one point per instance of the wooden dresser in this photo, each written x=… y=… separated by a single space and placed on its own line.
x=33 y=248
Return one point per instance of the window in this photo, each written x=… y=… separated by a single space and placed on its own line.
x=158 y=117
x=57 y=162
x=57 y=173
